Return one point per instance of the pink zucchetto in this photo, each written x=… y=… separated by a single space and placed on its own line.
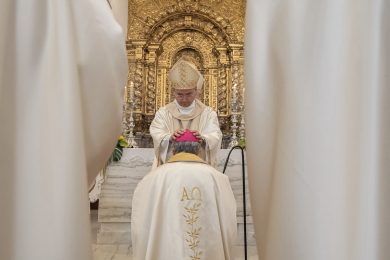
x=187 y=136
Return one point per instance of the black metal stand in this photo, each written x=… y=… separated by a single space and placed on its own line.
x=243 y=190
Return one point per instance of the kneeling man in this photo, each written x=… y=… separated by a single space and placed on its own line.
x=184 y=209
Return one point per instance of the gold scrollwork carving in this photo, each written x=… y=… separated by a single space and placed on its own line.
x=210 y=32
x=138 y=82
x=150 y=90
x=222 y=91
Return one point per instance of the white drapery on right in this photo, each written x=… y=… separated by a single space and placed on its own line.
x=318 y=128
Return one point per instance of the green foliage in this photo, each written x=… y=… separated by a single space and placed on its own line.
x=117 y=154
x=118 y=151
x=241 y=143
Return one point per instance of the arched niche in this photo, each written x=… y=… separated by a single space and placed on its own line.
x=185 y=29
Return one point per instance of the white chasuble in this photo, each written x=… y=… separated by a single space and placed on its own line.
x=184 y=209
x=62 y=71
x=202 y=118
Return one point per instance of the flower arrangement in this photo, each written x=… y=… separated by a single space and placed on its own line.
x=117 y=153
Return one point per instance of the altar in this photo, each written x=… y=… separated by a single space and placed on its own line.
x=114 y=214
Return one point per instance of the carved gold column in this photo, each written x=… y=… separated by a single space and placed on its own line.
x=161 y=84
x=139 y=76
x=236 y=104
x=242 y=110
x=131 y=139
x=150 y=95
x=211 y=87
x=126 y=107
x=222 y=96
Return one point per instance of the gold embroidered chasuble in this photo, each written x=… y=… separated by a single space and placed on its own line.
x=184 y=209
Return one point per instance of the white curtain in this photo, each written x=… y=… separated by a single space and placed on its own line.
x=63 y=69
x=318 y=128
x=121 y=12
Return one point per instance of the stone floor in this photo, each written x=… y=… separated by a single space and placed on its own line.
x=123 y=252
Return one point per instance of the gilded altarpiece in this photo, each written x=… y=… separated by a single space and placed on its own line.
x=210 y=34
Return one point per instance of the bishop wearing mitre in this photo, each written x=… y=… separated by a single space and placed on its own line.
x=185 y=112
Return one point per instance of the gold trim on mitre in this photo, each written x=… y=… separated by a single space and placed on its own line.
x=184 y=75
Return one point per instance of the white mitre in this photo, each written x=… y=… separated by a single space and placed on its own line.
x=184 y=75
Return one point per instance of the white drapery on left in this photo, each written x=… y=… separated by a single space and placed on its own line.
x=62 y=71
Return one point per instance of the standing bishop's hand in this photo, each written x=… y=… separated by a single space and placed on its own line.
x=177 y=134
x=198 y=135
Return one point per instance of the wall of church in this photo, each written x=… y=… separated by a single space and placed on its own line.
x=209 y=33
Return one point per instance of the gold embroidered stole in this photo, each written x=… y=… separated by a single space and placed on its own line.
x=190 y=121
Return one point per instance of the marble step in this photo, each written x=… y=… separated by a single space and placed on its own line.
x=115 y=215
x=115 y=227
x=116 y=237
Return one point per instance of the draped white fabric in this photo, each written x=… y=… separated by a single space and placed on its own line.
x=318 y=128
x=183 y=210
x=120 y=10
x=63 y=68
